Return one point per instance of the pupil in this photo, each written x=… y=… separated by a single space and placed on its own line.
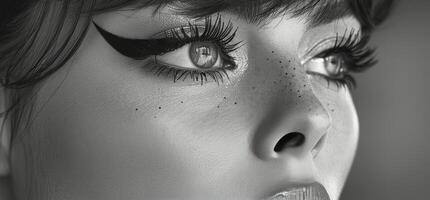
x=333 y=65
x=204 y=51
x=203 y=54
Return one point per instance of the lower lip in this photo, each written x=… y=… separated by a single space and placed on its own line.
x=314 y=191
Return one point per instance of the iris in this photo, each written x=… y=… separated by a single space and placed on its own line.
x=203 y=54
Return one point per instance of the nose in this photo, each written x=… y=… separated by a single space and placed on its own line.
x=292 y=121
x=290 y=129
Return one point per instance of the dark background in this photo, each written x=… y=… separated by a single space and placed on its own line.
x=393 y=102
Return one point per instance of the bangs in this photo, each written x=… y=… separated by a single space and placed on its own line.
x=252 y=10
x=369 y=13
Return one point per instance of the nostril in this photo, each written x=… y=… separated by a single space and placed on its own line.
x=289 y=140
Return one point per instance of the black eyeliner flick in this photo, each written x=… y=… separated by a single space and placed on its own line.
x=139 y=49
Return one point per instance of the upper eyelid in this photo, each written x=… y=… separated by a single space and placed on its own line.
x=192 y=23
x=330 y=43
x=159 y=35
x=324 y=44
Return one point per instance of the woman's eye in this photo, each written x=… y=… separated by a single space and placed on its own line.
x=348 y=54
x=332 y=66
x=195 y=56
x=199 y=52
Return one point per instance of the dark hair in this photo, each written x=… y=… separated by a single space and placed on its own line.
x=38 y=37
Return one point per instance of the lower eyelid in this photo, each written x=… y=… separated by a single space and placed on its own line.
x=166 y=73
x=327 y=82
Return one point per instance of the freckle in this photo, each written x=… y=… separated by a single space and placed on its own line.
x=300 y=96
x=182 y=102
x=137 y=109
x=298 y=91
x=294 y=68
x=225 y=97
x=235 y=103
x=274 y=82
x=218 y=106
x=159 y=108
x=304 y=85
x=155 y=117
x=332 y=110
x=280 y=61
x=289 y=61
x=267 y=59
x=290 y=83
x=273 y=51
x=286 y=73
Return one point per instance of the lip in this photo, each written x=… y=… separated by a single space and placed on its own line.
x=313 y=191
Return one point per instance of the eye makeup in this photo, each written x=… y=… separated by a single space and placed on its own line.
x=216 y=34
x=138 y=49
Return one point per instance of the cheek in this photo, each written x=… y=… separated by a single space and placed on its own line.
x=342 y=138
x=100 y=122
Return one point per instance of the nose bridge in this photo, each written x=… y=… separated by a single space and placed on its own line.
x=292 y=105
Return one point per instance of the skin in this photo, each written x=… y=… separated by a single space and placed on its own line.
x=107 y=129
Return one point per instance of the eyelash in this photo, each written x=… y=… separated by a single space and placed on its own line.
x=196 y=75
x=358 y=56
x=218 y=32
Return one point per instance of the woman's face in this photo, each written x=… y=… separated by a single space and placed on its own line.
x=107 y=128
